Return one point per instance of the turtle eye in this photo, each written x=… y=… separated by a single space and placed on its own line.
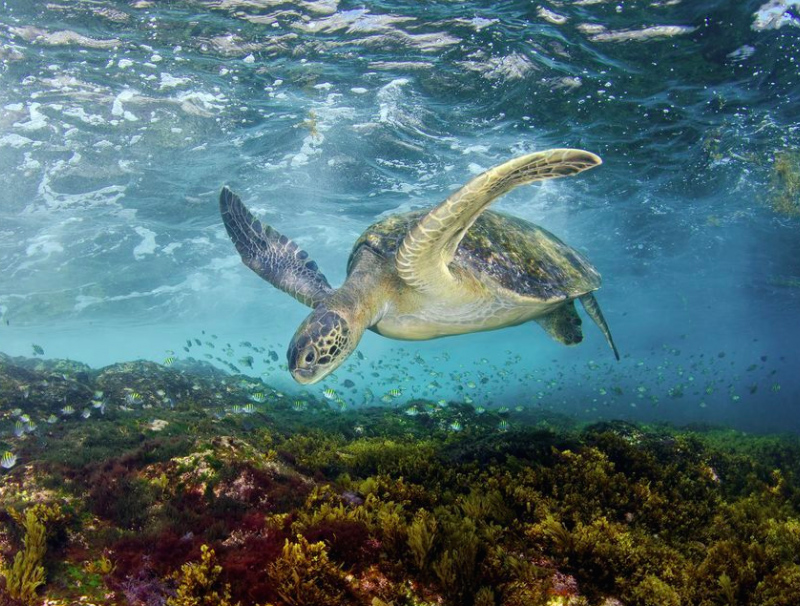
x=309 y=357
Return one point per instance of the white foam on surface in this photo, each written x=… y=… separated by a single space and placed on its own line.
x=170 y=81
x=54 y=200
x=323 y=7
x=354 y=20
x=43 y=245
x=775 y=14
x=38 y=35
x=14 y=140
x=148 y=244
x=83 y=116
x=199 y=103
x=640 y=35
x=29 y=164
x=37 y=120
x=171 y=248
x=551 y=16
x=126 y=95
x=515 y=66
x=476 y=23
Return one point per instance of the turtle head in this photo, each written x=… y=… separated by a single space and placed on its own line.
x=322 y=342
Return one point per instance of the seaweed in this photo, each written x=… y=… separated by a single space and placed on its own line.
x=198 y=583
x=303 y=575
x=26 y=574
x=421 y=536
x=279 y=510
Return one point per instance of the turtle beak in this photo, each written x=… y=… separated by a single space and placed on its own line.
x=304 y=376
x=301 y=373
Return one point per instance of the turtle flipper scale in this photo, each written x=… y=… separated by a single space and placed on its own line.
x=272 y=256
x=423 y=257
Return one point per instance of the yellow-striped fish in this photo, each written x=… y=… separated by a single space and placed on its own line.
x=8 y=460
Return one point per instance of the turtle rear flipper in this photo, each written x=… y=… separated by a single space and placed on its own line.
x=563 y=324
x=272 y=256
x=593 y=310
x=423 y=257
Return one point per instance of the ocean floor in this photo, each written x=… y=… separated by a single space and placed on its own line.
x=144 y=484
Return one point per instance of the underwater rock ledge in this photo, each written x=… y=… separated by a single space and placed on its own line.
x=140 y=484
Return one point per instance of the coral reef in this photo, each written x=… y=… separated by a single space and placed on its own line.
x=288 y=507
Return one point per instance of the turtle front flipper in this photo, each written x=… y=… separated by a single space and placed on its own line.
x=593 y=310
x=429 y=246
x=272 y=256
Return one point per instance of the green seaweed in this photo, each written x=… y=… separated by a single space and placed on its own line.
x=421 y=536
x=303 y=575
x=198 y=583
x=26 y=574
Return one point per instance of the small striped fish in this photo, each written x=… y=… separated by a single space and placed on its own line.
x=8 y=460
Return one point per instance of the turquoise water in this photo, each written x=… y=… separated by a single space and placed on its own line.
x=120 y=122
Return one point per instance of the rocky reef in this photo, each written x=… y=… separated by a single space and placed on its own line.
x=140 y=484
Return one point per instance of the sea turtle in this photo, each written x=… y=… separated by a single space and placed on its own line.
x=455 y=269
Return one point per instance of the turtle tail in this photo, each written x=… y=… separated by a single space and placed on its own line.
x=593 y=310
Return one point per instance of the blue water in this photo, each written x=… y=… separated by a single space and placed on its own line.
x=120 y=122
